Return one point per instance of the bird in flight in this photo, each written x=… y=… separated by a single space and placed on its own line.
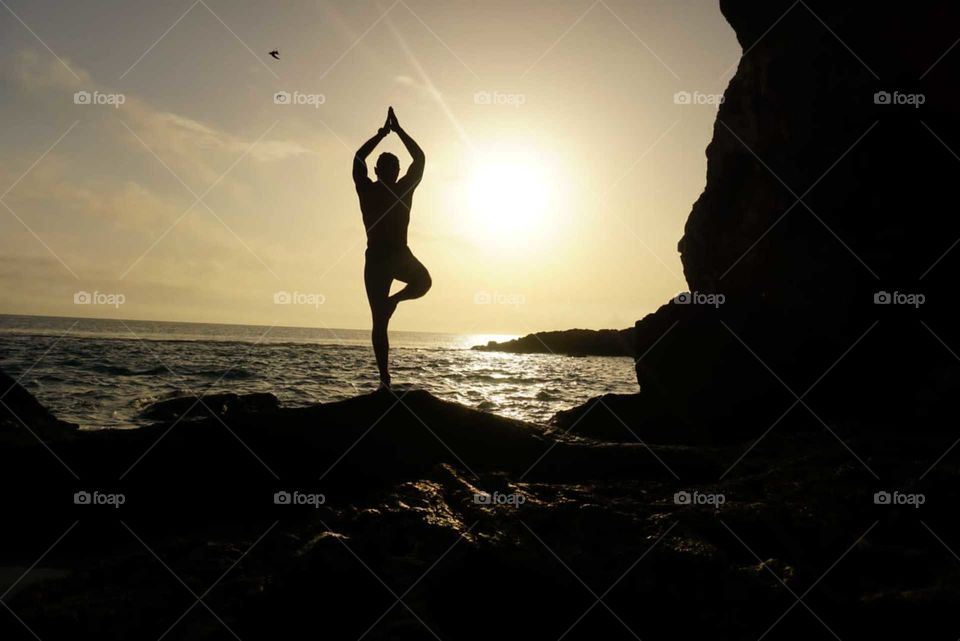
x=275 y=54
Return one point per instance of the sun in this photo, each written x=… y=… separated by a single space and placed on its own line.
x=508 y=197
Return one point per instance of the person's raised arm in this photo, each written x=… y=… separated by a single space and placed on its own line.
x=415 y=172
x=360 y=158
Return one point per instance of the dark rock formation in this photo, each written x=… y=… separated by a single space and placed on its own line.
x=571 y=342
x=24 y=419
x=401 y=518
x=214 y=404
x=821 y=193
x=200 y=461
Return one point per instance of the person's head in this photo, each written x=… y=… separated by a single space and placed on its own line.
x=388 y=168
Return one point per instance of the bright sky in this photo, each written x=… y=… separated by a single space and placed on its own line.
x=560 y=167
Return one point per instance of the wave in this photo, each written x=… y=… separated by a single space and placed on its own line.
x=229 y=375
x=119 y=370
x=100 y=382
x=499 y=379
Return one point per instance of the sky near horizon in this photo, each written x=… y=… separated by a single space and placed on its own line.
x=560 y=166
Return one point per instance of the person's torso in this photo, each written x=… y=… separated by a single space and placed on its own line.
x=386 y=214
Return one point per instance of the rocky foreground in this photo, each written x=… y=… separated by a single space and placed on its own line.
x=419 y=518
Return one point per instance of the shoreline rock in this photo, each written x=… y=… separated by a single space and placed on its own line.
x=214 y=404
x=23 y=419
x=570 y=342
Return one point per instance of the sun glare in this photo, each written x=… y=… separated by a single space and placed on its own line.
x=508 y=197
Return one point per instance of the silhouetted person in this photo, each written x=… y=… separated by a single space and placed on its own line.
x=385 y=205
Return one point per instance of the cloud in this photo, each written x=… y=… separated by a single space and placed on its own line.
x=426 y=90
x=100 y=199
x=175 y=132
x=194 y=149
x=54 y=188
x=179 y=140
x=33 y=72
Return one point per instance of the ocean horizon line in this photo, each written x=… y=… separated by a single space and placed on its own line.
x=500 y=335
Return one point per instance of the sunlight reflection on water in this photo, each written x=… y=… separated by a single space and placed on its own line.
x=102 y=375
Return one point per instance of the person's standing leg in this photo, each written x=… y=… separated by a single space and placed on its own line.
x=377 y=279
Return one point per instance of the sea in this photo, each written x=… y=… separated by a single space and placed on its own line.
x=102 y=373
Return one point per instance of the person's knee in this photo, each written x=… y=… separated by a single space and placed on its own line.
x=425 y=282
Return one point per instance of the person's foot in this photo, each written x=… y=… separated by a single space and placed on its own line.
x=384 y=385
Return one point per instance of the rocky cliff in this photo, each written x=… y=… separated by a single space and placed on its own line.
x=827 y=222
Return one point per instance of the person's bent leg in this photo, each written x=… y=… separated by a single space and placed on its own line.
x=417 y=278
x=377 y=281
